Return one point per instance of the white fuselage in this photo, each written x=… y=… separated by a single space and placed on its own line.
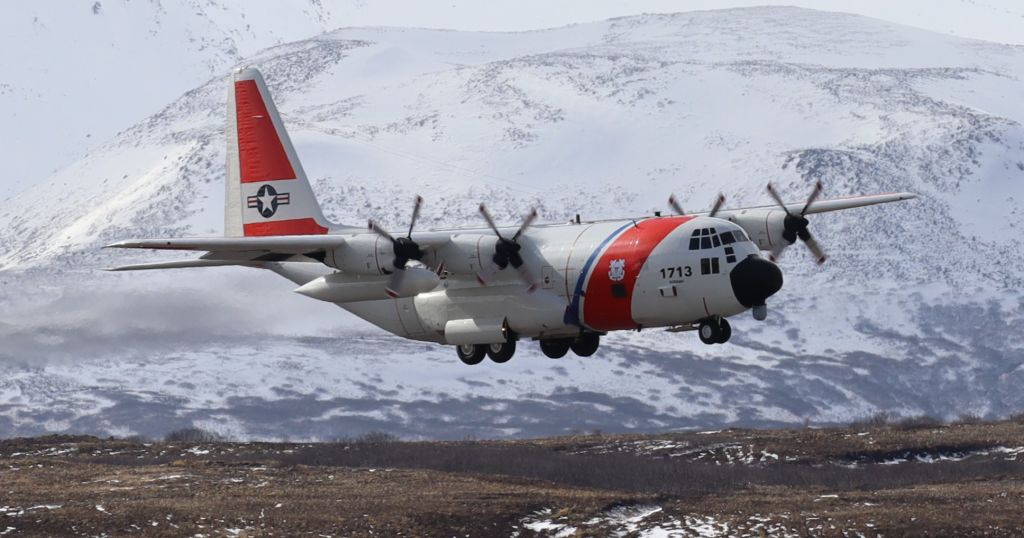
x=594 y=276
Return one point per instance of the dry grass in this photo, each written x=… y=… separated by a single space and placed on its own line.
x=823 y=482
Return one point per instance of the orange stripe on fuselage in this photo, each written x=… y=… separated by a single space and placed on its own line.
x=602 y=310
x=260 y=152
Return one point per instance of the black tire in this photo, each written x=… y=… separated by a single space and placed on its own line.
x=724 y=331
x=501 y=353
x=586 y=344
x=471 y=354
x=555 y=349
x=708 y=332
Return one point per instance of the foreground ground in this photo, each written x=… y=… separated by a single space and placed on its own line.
x=922 y=479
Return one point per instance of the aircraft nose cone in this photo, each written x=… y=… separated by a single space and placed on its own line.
x=755 y=279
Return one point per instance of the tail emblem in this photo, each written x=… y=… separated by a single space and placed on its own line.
x=266 y=201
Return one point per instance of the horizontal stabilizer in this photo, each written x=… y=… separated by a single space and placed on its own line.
x=292 y=244
x=183 y=264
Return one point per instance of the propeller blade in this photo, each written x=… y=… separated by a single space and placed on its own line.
x=673 y=202
x=818 y=187
x=394 y=285
x=814 y=247
x=527 y=221
x=486 y=273
x=776 y=253
x=375 y=228
x=778 y=199
x=415 y=214
x=719 y=202
x=526 y=276
x=490 y=221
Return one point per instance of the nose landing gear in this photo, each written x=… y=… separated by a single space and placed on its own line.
x=714 y=330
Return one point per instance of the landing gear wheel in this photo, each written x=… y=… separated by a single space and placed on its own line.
x=586 y=344
x=555 y=349
x=724 y=331
x=471 y=353
x=500 y=353
x=709 y=332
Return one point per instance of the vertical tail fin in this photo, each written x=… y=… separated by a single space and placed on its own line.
x=267 y=192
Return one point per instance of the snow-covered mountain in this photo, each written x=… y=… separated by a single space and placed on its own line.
x=917 y=311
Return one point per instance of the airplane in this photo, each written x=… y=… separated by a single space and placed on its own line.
x=484 y=289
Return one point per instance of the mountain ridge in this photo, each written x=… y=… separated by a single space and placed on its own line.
x=603 y=119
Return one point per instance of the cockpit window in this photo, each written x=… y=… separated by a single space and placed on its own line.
x=704 y=238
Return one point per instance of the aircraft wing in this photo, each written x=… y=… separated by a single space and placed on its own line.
x=832 y=204
x=250 y=251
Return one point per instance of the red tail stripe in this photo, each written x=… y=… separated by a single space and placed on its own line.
x=260 y=152
x=285 y=227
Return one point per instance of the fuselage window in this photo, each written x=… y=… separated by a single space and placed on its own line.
x=709 y=266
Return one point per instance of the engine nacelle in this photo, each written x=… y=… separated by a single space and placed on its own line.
x=464 y=254
x=367 y=254
x=763 y=226
x=353 y=288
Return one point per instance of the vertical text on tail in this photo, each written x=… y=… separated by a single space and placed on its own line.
x=267 y=192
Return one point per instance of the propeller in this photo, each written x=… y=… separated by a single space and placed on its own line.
x=795 y=226
x=506 y=251
x=673 y=202
x=404 y=247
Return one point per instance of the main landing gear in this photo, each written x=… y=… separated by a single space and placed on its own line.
x=471 y=353
x=584 y=345
x=475 y=353
x=714 y=330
